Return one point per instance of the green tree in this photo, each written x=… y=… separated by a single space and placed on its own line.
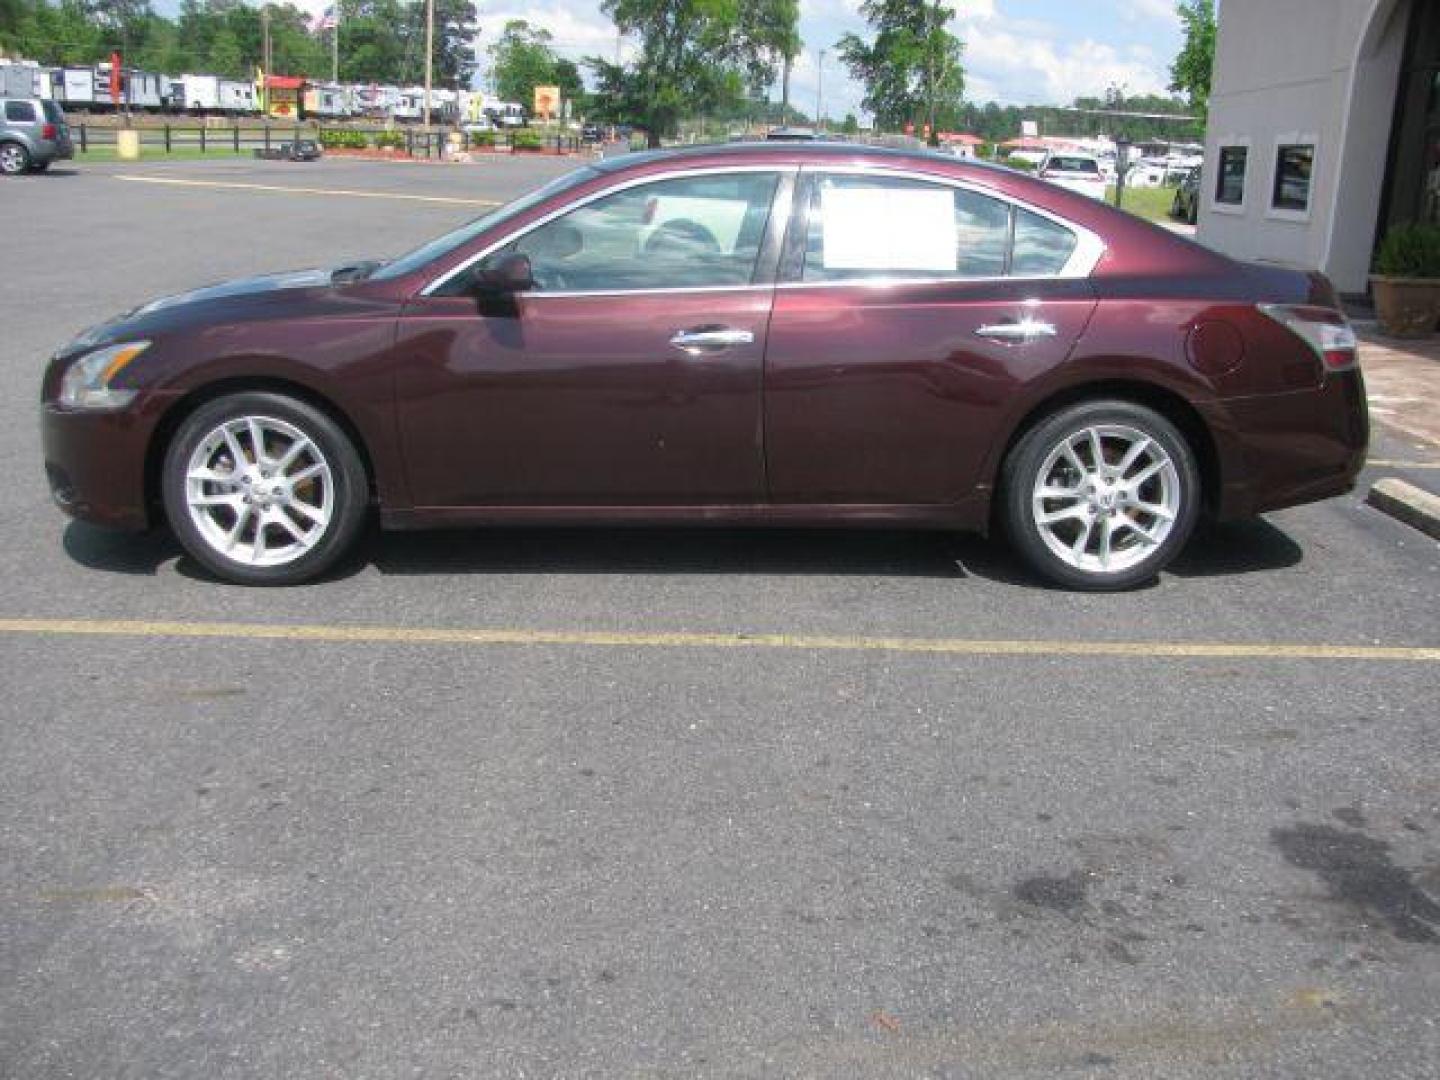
x=851 y=126
x=520 y=60
x=1190 y=74
x=911 y=71
x=696 y=57
x=572 y=86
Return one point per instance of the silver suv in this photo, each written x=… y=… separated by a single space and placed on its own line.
x=33 y=133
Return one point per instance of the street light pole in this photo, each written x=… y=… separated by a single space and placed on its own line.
x=265 y=52
x=820 y=92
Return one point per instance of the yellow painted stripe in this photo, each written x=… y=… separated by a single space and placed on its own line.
x=348 y=193
x=420 y=635
x=1382 y=463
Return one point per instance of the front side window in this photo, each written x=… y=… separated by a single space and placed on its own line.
x=688 y=232
x=876 y=227
x=1230 y=176
x=1293 y=167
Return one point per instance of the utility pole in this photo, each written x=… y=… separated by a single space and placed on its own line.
x=429 y=55
x=335 y=46
x=265 y=52
x=820 y=92
x=785 y=92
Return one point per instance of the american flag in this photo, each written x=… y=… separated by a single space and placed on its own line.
x=326 y=20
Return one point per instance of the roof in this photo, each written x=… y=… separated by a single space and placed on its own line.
x=793 y=149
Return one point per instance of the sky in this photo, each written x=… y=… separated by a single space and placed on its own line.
x=1017 y=52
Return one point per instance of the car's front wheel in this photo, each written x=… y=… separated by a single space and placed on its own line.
x=14 y=159
x=1101 y=495
x=263 y=489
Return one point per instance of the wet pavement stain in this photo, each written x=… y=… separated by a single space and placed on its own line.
x=1062 y=894
x=1358 y=870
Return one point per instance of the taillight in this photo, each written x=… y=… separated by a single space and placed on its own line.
x=1323 y=329
x=48 y=132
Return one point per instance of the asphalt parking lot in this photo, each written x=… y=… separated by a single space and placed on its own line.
x=662 y=803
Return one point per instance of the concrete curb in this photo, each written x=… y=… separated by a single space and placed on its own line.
x=1408 y=503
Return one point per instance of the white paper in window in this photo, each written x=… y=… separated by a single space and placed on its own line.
x=891 y=229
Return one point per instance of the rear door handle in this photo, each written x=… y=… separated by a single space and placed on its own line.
x=705 y=339
x=1023 y=330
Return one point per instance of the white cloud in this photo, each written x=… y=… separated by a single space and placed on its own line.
x=1163 y=10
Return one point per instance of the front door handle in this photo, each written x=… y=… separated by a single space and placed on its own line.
x=1023 y=330
x=706 y=339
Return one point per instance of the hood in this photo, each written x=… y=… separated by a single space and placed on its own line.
x=296 y=279
x=199 y=304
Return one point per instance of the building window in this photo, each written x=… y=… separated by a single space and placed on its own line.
x=1230 y=178
x=1294 y=164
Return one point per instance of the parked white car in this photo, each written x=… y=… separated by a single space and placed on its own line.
x=1077 y=172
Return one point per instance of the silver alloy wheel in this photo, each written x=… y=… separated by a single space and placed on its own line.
x=259 y=491
x=12 y=159
x=1106 y=498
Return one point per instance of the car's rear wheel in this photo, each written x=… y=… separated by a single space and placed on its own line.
x=1101 y=495
x=14 y=159
x=263 y=489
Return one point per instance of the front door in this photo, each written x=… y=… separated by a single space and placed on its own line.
x=630 y=376
x=908 y=313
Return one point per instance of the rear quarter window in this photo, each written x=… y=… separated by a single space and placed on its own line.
x=20 y=112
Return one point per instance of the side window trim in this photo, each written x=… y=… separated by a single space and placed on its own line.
x=1088 y=246
x=785 y=177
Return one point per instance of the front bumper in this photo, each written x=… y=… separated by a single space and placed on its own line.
x=95 y=462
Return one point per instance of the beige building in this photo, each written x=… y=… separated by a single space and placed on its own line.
x=1324 y=129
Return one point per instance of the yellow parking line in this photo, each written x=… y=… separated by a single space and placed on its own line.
x=343 y=192
x=419 y=635
x=1381 y=463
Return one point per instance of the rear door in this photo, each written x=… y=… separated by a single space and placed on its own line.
x=909 y=311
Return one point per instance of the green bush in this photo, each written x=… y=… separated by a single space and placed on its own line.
x=1019 y=163
x=482 y=138
x=343 y=138
x=391 y=139
x=526 y=139
x=1411 y=250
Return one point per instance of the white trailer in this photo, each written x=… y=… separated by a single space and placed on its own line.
x=196 y=93
x=24 y=79
x=77 y=86
x=236 y=97
x=327 y=100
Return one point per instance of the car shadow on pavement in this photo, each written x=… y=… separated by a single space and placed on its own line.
x=1215 y=551
x=885 y=553
x=1236 y=547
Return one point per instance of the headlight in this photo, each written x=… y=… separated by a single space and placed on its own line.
x=86 y=382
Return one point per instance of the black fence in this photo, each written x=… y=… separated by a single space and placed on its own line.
x=239 y=138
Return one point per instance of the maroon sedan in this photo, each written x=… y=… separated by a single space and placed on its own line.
x=792 y=334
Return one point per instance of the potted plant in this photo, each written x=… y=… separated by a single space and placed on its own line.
x=1406 y=280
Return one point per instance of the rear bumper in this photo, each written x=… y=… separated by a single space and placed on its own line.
x=95 y=463
x=1280 y=450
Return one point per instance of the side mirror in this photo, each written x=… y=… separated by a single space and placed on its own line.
x=510 y=273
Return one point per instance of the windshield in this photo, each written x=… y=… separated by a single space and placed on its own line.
x=444 y=245
x=1074 y=164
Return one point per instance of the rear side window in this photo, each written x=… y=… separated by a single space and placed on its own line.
x=20 y=112
x=873 y=227
x=1042 y=247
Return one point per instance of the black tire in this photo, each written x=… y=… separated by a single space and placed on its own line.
x=1020 y=475
x=14 y=159
x=350 y=492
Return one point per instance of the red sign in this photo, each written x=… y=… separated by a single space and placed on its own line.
x=115 y=78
